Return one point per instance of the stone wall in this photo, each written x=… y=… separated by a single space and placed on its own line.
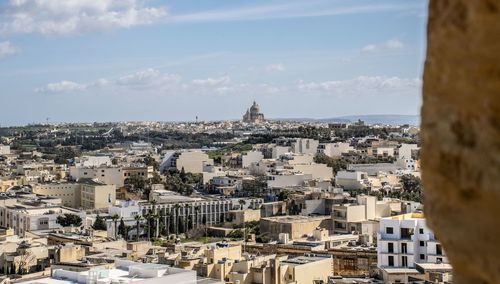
x=461 y=135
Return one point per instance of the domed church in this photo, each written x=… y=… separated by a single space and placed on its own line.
x=253 y=114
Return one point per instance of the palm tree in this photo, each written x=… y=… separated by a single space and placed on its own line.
x=167 y=223
x=115 y=219
x=186 y=219
x=137 y=219
x=155 y=219
x=196 y=215
x=242 y=202
x=177 y=206
x=149 y=217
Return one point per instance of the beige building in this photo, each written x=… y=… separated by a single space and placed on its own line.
x=244 y=216
x=7 y=183
x=306 y=269
x=141 y=171
x=347 y=218
x=87 y=194
x=69 y=193
x=295 y=226
x=97 y=195
x=193 y=161
x=319 y=172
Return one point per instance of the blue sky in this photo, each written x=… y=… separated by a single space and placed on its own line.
x=116 y=60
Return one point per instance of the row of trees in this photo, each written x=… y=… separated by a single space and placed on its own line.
x=159 y=222
x=412 y=190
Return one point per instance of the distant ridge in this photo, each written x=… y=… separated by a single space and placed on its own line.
x=390 y=119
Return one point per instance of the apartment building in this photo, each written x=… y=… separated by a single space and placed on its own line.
x=405 y=240
x=251 y=157
x=124 y=271
x=200 y=210
x=86 y=193
x=352 y=217
x=32 y=215
x=105 y=174
x=335 y=149
x=193 y=161
x=4 y=150
x=351 y=180
x=138 y=170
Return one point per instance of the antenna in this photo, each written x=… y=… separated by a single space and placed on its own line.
x=196 y=119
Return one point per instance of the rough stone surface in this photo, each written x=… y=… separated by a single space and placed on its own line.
x=461 y=135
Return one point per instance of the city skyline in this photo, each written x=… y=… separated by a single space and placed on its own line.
x=174 y=60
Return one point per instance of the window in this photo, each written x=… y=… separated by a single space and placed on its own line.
x=390 y=259
x=389 y=230
x=422 y=243
x=439 y=250
x=439 y=260
x=404 y=261
x=404 y=248
x=421 y=231
x=390 y=247
x=406 y=233
x=422 y=256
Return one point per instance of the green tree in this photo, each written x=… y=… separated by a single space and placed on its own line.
x=411 y=183
x=122 y=229
x=69 y=220
x=99 y=223
x=137 y=219
x=115 y=220
x=242 y=203
x=182 y=175
x=337 y=164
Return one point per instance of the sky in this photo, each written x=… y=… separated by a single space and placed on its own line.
x=129 y=60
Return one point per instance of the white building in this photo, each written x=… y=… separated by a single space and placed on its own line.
x=125 y=209
x=199 y=210
x=287 y=180
x=103 y=173
x=4 y=150
x=32 y=216
x=335 y=149
x=320 y=172
x=278 y=151
x=405 y=151
x=251 y=157
x=407 y=164
x=305 y=146
x=351 y=180
x=349 y=217
x=125 y=272
x=404 y=240
x=193 y=161
x=93 y=161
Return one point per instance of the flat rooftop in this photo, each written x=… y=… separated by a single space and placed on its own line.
x=296 y=218
x=300 y=260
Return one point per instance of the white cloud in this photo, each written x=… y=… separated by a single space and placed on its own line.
x=148 y=78
x=363 y=86
x=369 y=48
x=388 y=45
x=62 y=87
x=211 y=82
x=289 y=10
x=154 y=81
x=273 y=68
x=144 y=79
x=393 y=44
x=6 y=49
x=56 y=17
